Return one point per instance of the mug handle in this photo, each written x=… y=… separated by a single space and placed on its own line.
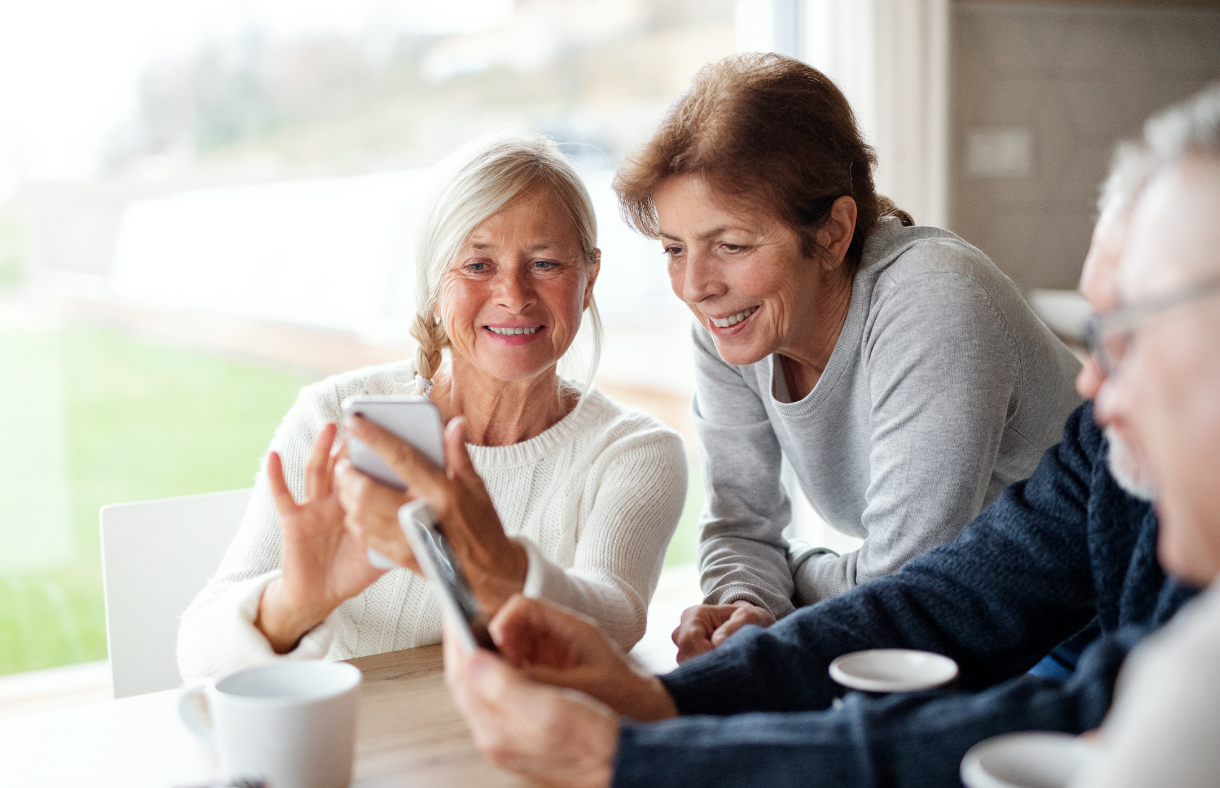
x=189 y=711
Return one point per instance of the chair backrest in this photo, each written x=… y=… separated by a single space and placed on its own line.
x=156 y=556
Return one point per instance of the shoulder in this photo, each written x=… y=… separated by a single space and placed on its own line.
x=326 y=396
x=615 y=428
x=935 y=288
x=929 y=260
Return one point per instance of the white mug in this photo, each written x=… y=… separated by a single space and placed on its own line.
x=1031 y=759
x=289 y=724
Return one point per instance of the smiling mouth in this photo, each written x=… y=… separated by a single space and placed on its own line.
x=507 y=332
x=732 y=320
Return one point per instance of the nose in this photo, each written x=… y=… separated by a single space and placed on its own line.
x=514 y=289
x=1090 y=379
x=1109 y=402
x=696 y=278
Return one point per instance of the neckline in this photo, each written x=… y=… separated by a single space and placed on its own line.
x=548 y=441
x=847 y=346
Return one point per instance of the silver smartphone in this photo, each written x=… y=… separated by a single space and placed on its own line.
x=440 y=565
x=417 y=421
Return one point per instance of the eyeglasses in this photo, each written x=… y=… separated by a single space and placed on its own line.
x=1109 y=334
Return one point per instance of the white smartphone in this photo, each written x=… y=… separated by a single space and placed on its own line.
x=416 y=421
x=440 y=565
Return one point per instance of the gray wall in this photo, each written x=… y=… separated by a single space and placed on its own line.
x=1039 y=94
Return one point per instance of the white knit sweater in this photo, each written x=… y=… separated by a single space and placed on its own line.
x=594 y=500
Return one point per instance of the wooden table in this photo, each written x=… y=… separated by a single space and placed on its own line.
x=408 y=732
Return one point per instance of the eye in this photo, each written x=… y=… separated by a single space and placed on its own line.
x=545 y=265
x=733 y=248
x=673 y=250
x=476 y=267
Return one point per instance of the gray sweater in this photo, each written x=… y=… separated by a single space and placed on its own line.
x=942 y=389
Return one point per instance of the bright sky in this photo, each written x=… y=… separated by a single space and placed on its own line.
x=69 y=68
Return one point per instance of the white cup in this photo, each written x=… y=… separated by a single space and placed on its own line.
x=1033 y=759
x=893 y=670
x=290 y=724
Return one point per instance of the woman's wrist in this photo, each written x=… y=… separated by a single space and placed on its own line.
x=495 y=578
x=284 y=623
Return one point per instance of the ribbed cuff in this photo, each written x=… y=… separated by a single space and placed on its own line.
x=224 y=640
x=539 y=576
x=711 y=683
x=730 y=594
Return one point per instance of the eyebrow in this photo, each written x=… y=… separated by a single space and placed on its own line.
x=702 y=236
x=538 y=247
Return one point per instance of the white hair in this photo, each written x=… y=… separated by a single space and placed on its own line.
x=1191 y=127
x=474 y=182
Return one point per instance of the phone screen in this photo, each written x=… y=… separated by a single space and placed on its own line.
x=440 y=564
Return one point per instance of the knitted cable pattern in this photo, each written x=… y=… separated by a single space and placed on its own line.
x=617 y=482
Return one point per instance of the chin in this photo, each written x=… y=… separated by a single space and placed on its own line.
x=739 y=355
x=1127 y=469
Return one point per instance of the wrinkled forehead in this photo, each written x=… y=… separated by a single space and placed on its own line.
x=1173 y=237
x=535 y=219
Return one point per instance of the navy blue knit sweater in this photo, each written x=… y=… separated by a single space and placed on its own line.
x=1061 y=549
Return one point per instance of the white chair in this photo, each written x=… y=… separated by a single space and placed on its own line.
x=156 y=556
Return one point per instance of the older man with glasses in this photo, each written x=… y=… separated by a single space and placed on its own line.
x=1161 y=351
x=1074 y=544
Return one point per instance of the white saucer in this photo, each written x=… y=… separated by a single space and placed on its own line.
x=893 y=670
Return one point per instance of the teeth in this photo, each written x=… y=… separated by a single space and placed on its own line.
x=732 y=319
x=512 y=331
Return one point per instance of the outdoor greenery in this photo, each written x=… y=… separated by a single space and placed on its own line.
x=683 y=546
x=140 y=421
x=144 y=421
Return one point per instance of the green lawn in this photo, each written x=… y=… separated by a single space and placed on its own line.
x=127 y=420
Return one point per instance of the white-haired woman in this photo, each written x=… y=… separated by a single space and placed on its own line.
x=567 y=495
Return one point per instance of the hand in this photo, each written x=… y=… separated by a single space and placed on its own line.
x=323 y=564
x=564 y=649
x=495 y=565
x=555 y=736
x=371 y=513
x=704 y=627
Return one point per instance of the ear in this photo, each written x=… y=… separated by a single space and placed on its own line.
x=594 y=269
x=838 y=230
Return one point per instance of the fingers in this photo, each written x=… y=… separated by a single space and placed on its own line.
x=371 y=513
x=528 y=631
x=407 y=462
x=456 y=456
x=317 y=467
x=694 y=634
x=285 y=504
x=745 y=613
x=734 y=623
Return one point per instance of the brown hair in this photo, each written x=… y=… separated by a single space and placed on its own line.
x=768 y=130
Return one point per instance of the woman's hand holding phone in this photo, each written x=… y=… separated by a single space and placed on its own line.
x=371 y=512
x=494 y=564
x=323 y=563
